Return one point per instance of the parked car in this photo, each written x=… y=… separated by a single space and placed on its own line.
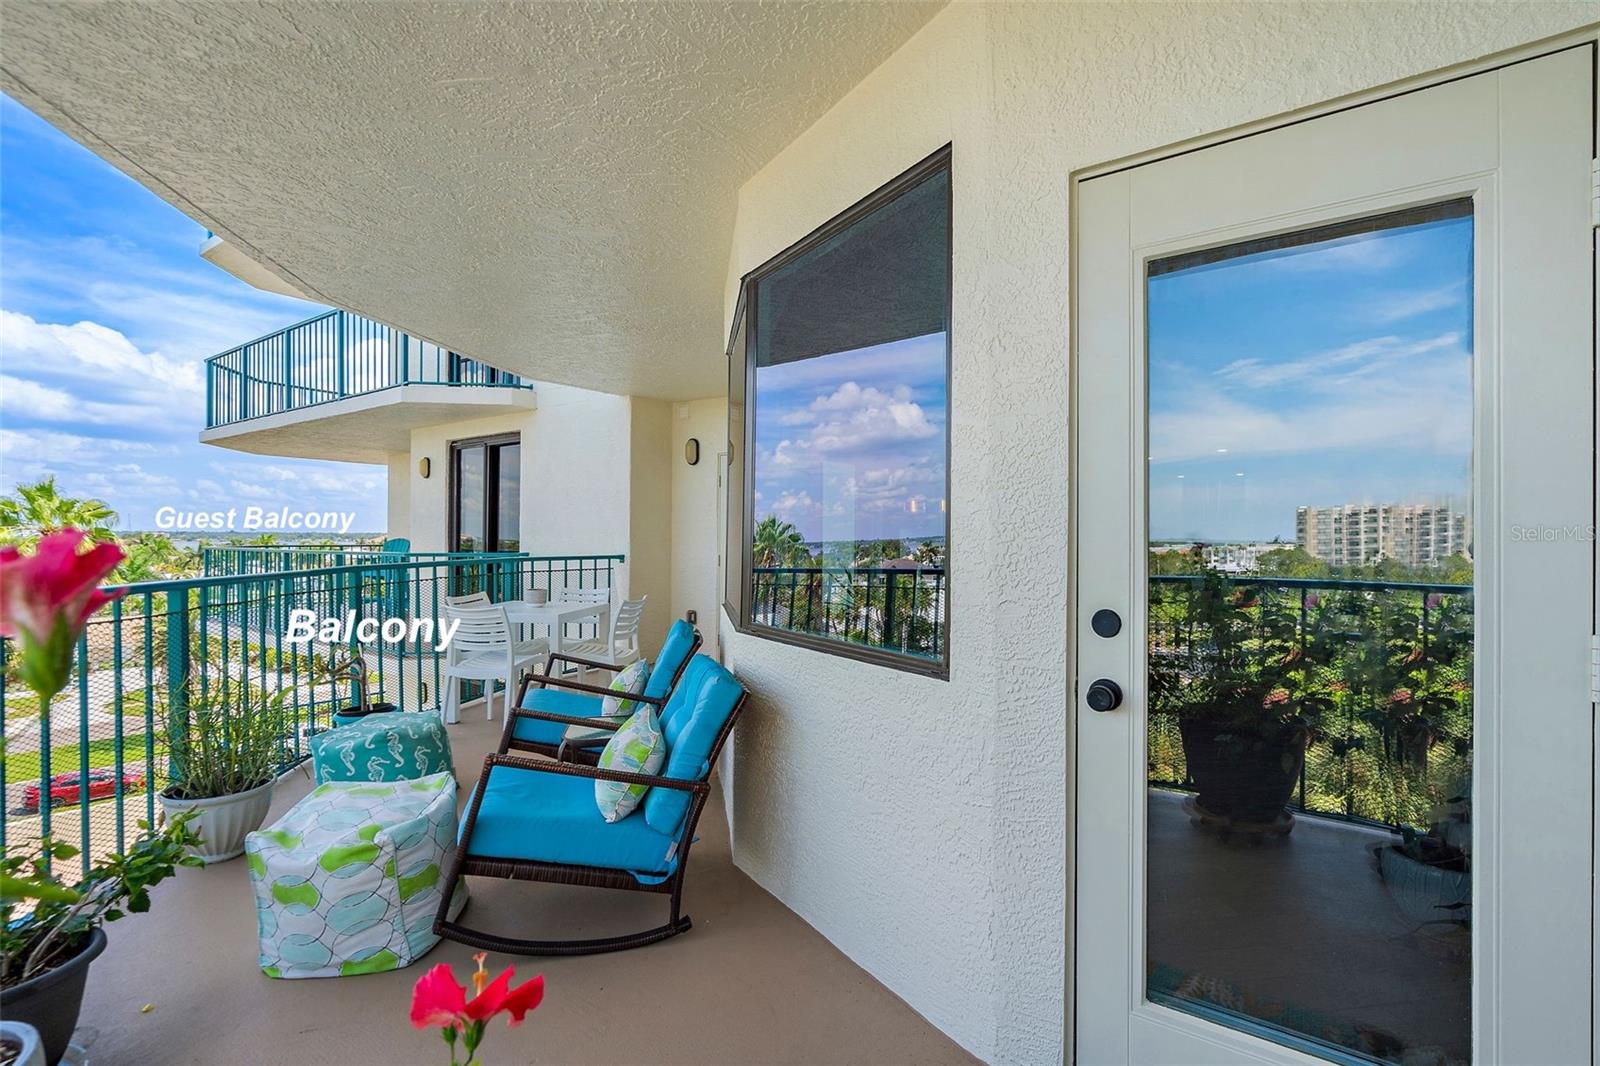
x=67 y=789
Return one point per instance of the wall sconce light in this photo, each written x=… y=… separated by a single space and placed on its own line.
x=424 y=467
x=691 y=450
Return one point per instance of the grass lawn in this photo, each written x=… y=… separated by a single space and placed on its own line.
x=18 y=703
x=23 y=766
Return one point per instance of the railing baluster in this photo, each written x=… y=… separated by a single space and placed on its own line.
x=116 y=724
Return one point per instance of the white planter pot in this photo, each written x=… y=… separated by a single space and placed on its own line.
x=27 y=1038
x=224 y=821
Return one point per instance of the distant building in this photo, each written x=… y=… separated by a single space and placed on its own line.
x=1237 y=558
x=1358 y=533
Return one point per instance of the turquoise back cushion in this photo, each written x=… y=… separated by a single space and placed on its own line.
x=675 y=649
x=694 y=716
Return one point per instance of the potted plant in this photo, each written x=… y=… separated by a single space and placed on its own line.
x=1429 y=874
x=50 y=930
x=49 y=933
x=1242 y=693
x=225 y=743
x=354 y=667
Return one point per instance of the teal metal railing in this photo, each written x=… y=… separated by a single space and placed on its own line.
x=901 y=610
x=1380 y=672
x=226 y=560
x=331 y=357
x=95 y=772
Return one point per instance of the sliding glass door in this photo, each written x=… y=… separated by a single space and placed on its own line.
x=485 y=504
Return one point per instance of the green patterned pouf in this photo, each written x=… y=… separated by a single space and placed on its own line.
x=382 y=747
x=349 y=880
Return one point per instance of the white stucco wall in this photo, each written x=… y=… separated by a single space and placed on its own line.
x=694 y=513
x=596 y=480
x=398 y=522
x=923 y=825
x=650 y=515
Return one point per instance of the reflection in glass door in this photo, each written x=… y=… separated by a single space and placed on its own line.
x=1310 y=626
x=486 y=494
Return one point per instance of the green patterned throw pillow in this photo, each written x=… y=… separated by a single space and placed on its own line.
x=630 y=682
x=636 y=748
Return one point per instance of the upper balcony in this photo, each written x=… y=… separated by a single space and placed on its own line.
x=340 y=386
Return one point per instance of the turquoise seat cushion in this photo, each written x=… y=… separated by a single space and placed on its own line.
x=675 y=649
x=705 y=697
x=544 y=817
x=553 y=701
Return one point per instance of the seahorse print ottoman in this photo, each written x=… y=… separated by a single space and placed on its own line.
x=383 y=747
x=349 y=880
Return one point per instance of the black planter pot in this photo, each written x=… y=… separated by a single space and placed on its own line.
x=348 y=715
x=51 y=1001
x=1244 y=777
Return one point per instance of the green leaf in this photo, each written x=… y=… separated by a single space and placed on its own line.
x=45 y=891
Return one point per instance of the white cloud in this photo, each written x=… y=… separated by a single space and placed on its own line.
x=49 y=446
x=1332 y=369
x=846 y=398
x=794 y=506
x=87 y=373
x=1410 y=304
x=188 y=313
x=1378 y=395
x=852 y=417
x=248 y=490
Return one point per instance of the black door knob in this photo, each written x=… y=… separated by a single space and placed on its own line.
x=1106 y=622
x=1104 y=695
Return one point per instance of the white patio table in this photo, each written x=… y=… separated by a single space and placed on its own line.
x=555 y=616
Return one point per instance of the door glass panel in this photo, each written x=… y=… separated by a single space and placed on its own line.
x=1310 y=626
x=508 y=498
x=471 y=513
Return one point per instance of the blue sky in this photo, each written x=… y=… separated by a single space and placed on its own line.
x=107 y=313
x=1333 y=373
x=851 y=446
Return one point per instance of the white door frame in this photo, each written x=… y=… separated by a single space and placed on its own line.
x=1082 y=539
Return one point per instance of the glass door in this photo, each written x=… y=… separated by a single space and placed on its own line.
x=1336 y=395
x=1309 y=627
x=486 y=509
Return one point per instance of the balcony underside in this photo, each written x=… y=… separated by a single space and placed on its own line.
x=221 y=254
x=366 y=428
x=751 y=982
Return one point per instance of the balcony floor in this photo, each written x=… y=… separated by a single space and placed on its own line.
x=750 y=983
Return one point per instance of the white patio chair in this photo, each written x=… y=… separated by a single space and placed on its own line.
x=568 y=594
x=470 y=599
x=623 y=647
x=482 y=650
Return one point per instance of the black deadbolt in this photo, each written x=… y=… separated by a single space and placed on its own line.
x=1106 y=622
x=1104 y=695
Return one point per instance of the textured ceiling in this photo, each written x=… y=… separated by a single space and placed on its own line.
x=550 y=186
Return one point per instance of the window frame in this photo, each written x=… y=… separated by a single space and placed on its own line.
x=738 y=584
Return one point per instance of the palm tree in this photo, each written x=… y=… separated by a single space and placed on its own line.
x=928 y=553
x=38 y=509
x=777 y=543
x=153 y=556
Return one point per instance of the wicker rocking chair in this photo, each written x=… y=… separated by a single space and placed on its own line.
x=536 y=820
x=547 y=705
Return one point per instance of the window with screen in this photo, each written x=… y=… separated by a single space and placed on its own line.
x=839 y=400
